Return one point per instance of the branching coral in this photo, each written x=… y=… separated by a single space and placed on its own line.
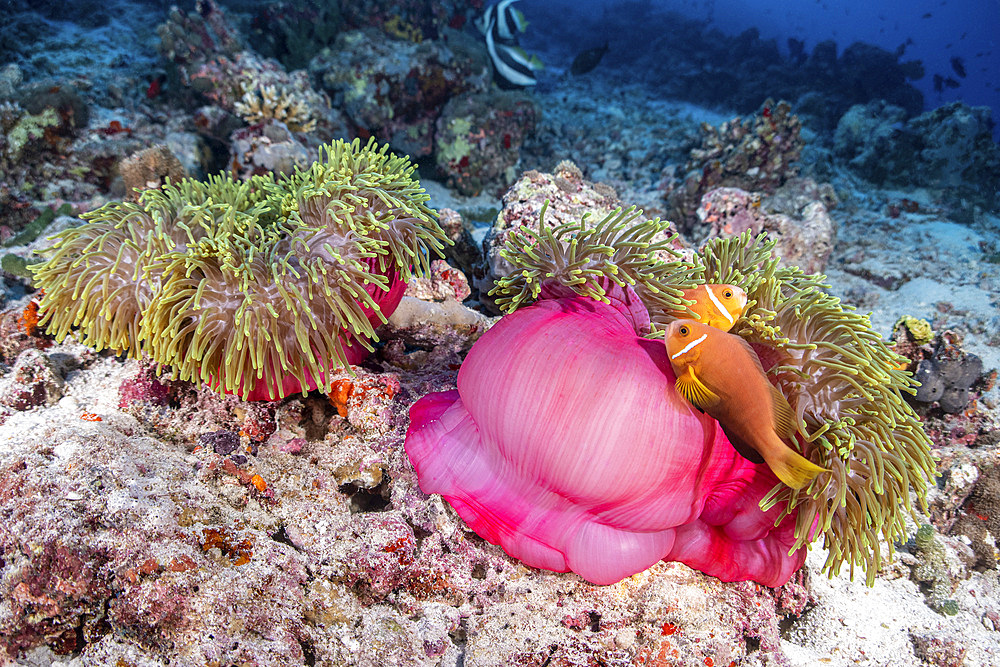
x=266 y=103
x=254 y=288
x=843 y=382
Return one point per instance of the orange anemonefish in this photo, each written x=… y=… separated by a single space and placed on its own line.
x=721 y=375
x=717 y=306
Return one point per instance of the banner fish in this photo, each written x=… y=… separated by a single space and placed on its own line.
x=512 y=67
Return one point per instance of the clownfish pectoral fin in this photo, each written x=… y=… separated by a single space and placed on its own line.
x=694 y=390
x=792 y=468
x=676 y=402
x=782 y=416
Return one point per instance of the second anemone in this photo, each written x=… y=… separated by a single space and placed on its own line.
x=255 y=288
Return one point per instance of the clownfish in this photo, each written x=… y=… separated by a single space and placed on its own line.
x=720 y=374
x=717 y=306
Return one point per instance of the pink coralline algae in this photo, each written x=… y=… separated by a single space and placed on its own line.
x=575 y=453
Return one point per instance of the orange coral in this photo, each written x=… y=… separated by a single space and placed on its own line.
x=239 y=553
x=29 y=318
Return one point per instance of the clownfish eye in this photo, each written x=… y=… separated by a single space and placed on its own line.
x=728 y=294
x=684 y=331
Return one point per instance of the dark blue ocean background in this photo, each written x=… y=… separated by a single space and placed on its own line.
x=952 y=39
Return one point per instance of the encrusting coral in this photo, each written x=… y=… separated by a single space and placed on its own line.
x=842 y=381
x=256 y=288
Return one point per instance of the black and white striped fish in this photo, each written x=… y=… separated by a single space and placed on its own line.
x=512 y=67
x=506 y=22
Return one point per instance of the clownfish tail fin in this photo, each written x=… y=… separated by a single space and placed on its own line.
x=793 y=469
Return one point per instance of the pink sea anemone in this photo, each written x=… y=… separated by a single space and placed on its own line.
x=566 y=444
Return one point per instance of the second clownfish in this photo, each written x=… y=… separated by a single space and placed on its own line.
x=720 y=374
x=717 y=306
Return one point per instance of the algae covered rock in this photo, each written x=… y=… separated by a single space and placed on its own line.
x=950 y=148
x=478 y=139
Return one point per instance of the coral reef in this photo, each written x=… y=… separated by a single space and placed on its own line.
x=16 y=211
x=259 y=90
x=478 y=140
x=193 y=565
x=395 y=90
x=411 y=19
x=946 y=373
x=198 y=36
x=566 y=196
x=755 y=154
x=940 y=651
x=293 y=31
x=917 y=332
x=211 y=62
x=32 y=382
x=19 y=128
x=149 y=169
x=151 y=521
x=269 y=148
x=270 y=103
x=947 y=381
x=950 y=149
x=319 y=257
x=979 y=520
x=803 y=236
x=871 y=139
x=932 y=571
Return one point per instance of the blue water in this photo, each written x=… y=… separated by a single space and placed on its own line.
x=933 y=32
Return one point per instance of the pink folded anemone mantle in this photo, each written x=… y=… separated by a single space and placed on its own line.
x=566 y=445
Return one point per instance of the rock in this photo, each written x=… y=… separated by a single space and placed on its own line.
x=804 y=239
x=396 y=89
x=33 y=382
x=478 y=140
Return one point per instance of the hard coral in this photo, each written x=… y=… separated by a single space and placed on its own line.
x=497 y=465
x=257 y=288
x=756 y=154
x=268 y=102
x=148 y=169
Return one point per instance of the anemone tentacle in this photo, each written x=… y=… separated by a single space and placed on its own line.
x=249 y=287
x=580 y=255
x=839 y=376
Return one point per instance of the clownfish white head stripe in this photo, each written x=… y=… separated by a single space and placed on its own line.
x=718 y=304
x=690 y=346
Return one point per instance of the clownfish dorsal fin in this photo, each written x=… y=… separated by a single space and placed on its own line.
x=694 y=390
x=782 y=415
